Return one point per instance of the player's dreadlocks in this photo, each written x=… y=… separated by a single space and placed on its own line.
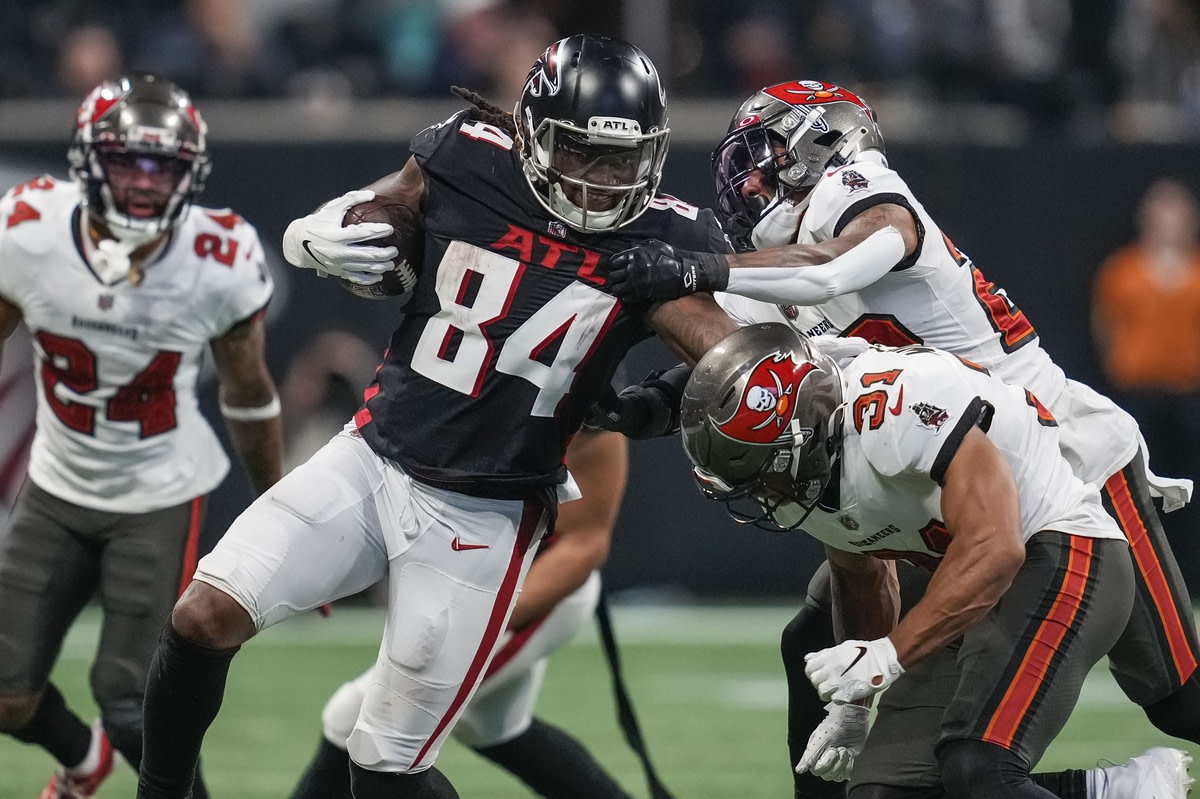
x=486 y=111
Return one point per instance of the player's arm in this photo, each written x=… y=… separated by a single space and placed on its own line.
x=319 y=241
x=599 y=463
x=866 y=595
x=870 y=245
x=10 y=317
x=981 y=510
x=691 y=325
x=249 y=402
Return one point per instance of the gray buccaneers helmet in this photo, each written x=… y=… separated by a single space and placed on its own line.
x=139 y=155
x=790 y=134
x=593 y=131
x=761 y=420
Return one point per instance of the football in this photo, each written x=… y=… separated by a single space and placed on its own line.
x=408 y=237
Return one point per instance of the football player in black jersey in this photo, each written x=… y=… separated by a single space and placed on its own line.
x=450 y=472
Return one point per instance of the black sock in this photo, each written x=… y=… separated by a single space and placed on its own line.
x=327 y=776
x=57 y=730
x=554 y=765
x=430 y=784
x=184 y=690
x=1070 y=784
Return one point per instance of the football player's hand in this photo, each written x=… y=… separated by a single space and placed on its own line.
x=853 y=670
x=318 y=241
x=647 y=410
x=836 y=742
x=658 y=271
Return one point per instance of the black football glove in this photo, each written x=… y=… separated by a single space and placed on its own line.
x=648 y=410
x=658 y=271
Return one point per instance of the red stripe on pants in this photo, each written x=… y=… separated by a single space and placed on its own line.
x=530 y=519
x=1151 y=570
x=191 y=549
x=1040 y=655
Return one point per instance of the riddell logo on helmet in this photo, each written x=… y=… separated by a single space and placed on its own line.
x=768 y=402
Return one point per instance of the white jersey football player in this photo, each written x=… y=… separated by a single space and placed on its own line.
x=841 y=246
x=916 y=454
x=123 y=284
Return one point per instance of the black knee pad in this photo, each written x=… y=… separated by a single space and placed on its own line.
x=980 y=770
x=1178 y=715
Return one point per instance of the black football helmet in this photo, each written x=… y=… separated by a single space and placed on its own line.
x=761 y=421
x=592 y=122
x=788 y=134
x=139 y=155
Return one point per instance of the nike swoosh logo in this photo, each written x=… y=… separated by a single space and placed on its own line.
x=899 y=406
x=459 y=546
x=311 y=254
x=862 y=651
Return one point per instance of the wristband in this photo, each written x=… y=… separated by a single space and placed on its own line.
x=259 y=414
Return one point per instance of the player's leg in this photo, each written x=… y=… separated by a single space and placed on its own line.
x=147 y=560
x=1062 y=614
x=313 y=537
x=448 y=605
x=811 y=630
x=328 y=773
x=1155 y=661
x=47 y=575
x=499 y=723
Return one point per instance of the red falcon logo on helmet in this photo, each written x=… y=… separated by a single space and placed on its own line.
x=544 y=78
x=768 y=401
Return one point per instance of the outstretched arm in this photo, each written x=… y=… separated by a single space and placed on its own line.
x=691 y=325
x=796 y=274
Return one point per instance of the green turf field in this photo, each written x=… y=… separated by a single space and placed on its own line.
x=706 y=682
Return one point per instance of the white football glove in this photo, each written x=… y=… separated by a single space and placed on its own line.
x=836 y=742
x=853 y=670
x=318 y=241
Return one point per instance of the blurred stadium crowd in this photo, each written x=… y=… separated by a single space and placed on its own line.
x=1091 y=68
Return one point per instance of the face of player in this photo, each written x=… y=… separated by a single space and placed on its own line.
x=589 y=168
x=142 y=184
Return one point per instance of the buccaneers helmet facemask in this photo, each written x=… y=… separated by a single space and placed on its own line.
x=761 y=423
x=139 y=155
x=593 y=133
x=786 y=136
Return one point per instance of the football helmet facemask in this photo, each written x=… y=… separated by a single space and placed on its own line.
x=761 y=421
x=785 y=136
x=593 y=131
x=139 y=155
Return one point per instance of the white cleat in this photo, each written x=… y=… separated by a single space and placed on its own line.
x=1158 y=773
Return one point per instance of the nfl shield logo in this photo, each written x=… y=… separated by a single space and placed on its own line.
x=557 y=229
x=106 y=302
